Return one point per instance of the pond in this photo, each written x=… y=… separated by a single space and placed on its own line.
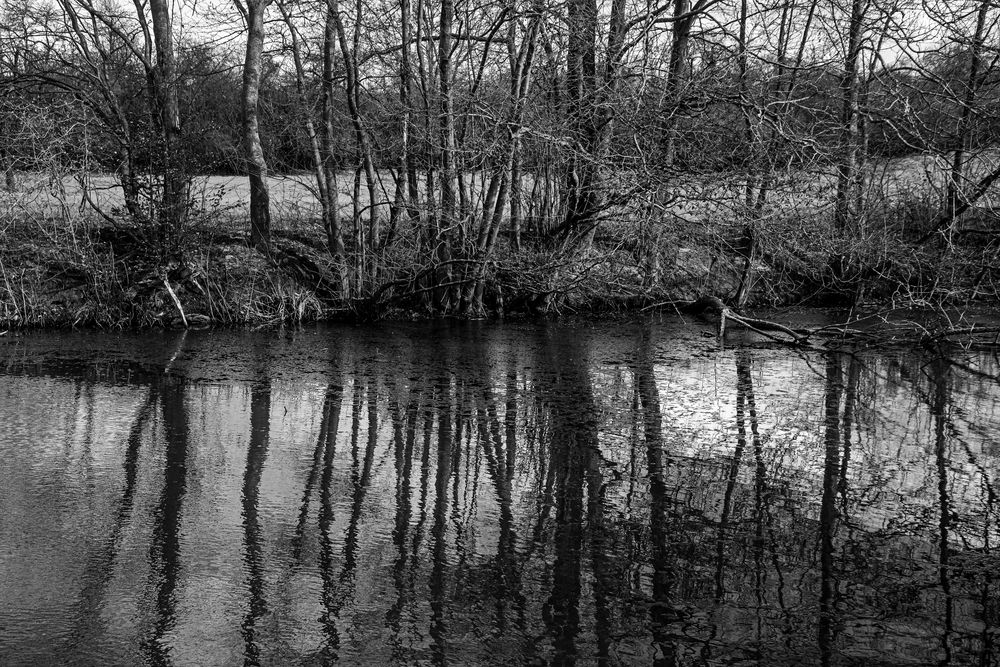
x=494 y=494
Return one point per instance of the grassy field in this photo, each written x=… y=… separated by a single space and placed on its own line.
x=709 y=198
x=293 y=197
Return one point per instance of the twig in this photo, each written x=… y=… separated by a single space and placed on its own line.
x=177 y=302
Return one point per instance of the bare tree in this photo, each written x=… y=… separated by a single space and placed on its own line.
x=260 y=200
x=176 y=181
x=847 y=170
x=320 y=142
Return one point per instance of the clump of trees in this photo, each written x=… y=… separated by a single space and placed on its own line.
x=463 y=153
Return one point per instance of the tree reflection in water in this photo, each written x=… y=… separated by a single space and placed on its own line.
x=253 y=549
x=535 y=496
x=165 y=547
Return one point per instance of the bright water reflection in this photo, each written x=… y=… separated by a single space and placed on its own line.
x=493 y=494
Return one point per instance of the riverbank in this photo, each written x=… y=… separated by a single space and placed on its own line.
x=92 y=273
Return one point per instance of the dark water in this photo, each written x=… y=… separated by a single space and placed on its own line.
x=493 y=495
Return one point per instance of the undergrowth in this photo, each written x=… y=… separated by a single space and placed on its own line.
x=92 y=272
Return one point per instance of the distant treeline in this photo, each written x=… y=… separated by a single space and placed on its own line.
x=905 y=110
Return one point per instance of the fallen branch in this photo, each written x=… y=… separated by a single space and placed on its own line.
x=762 y=327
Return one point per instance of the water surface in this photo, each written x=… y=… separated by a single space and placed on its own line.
x=493 y=494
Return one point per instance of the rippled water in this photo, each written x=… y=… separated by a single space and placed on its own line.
x=491 y=494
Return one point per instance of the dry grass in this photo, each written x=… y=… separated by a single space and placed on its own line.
x=293 y=197
x=294 y=200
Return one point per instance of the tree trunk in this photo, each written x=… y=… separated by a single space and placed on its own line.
x=750 y=136
x=130 y=183
x=446 y=124
x=326 y=183
x=365 y=161
x=582 y=182
x=407 y=166
x=260 y=204
x=9 y=175
x=963 y=138
x=846 y=209
x=176 y=183
x=675 y=70
x=334 y=231
x=447 y=120
x=504 y=173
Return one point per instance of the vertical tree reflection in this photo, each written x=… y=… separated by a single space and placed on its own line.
x=573 y=440
x=939 y=370
x=486 y=519
x=828 y=509
x=498 y=442
x=662 y=614
x=850 y=407
x=500 y=473
x=744 y=381
x=361 y=475
x=100 y=566
x=328 y=437
x=325 y=441
x=425 y=467
x=510 y=562
x=253 y=557
x=164 y=556
x=989 y=603
x=404 y=440
x=438 y=531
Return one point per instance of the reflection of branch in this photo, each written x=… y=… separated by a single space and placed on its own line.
x=361 y=483
x=972 y=371
x=327 y=438
x=177 y=350
x=949 y=420
x=100 y=568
